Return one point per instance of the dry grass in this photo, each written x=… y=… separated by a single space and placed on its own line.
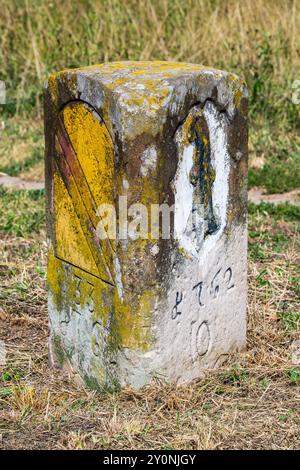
x=257 y=39
x=21 y=148
x=195 y=31
x=253 y=402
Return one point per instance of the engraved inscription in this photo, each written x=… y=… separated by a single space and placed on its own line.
x=66 y=317
x=96 y=335
x=228 y=278
x=83 y=286
x=200 y=339
x=77 y=294
x=214 y=285
x=218 y=285
x=199 y=287
x=175 y=310
x=83 y=296
x=221 y=282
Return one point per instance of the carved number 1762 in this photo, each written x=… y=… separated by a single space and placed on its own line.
x=221 y=280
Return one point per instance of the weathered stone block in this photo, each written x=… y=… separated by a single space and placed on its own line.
x=158 y=287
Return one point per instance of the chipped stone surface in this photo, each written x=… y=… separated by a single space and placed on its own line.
x=127 y=310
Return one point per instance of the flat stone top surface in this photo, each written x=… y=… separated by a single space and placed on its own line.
x=141 y=96
x=156 y=78
x=135 y=70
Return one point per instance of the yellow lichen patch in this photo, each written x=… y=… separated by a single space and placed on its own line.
x=148 y=190
x=52 y=86
x=103 y=300
x=55 y=277
x=94 y=149
x=134 y=312
x=133 y=321
x=186 y=132
x=118 y=82
x=151 y=95
x=148 y=66
x=238 y=84
x=237 y=98
x=143 y=66
x=87 y=291
x=71 y=244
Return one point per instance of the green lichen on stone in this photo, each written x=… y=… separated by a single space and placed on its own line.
x=58 y=350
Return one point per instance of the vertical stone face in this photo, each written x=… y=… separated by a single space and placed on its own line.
x=146 y=199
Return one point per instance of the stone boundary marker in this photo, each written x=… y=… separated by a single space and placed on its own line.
x=146 y=166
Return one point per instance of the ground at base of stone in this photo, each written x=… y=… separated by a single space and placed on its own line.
x=253 y=402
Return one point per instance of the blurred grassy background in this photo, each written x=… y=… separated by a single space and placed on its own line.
x=257 y=39
x=253 y=402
